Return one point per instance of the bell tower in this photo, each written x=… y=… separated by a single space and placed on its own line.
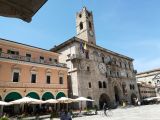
x=85 y=26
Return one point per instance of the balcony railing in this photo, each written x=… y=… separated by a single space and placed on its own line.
x=29 y=59
x=31 y=85
x=76 y=56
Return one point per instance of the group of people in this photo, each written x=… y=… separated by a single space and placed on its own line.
x=65 y=115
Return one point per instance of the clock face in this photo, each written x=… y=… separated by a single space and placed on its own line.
x=102 y=68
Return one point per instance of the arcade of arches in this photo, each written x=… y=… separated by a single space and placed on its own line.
x=15 y=95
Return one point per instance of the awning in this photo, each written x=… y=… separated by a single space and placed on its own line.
x=12 y=96
x=47 y=96
x=23 y=9
x=60 y=94
x=33 y=95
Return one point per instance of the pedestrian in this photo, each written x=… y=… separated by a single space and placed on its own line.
x=105 y=108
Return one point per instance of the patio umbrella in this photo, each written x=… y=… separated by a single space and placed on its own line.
x=26 y=100
x=80 y=99
x=2 y=103
x=65 y=100
x=51 y=101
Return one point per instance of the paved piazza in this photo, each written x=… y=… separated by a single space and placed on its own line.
x=148 y=112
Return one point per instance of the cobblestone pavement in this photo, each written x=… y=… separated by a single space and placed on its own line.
x=147 y=112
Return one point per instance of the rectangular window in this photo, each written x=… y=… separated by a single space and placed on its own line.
x=89 y=84
x=33 y=78
x=50 y=59
x=88 y=68
x=13 y=52
x=28 y=57
x=15 y=76
x=0 y=50
x=60 y=80
x=48 y=79
x=87 y=55
x=41 y=59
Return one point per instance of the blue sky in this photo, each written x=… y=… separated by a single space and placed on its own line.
x=129 y=27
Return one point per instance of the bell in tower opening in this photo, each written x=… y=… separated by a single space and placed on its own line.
x=85 y=26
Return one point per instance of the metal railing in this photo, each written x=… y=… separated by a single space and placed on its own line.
x=29 y=59
x=31 y=85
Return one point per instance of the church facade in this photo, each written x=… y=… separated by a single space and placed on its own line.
x=95 y=72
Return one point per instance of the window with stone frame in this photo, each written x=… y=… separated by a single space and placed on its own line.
x=100 y=84
x=89 y=85
x=81 y=25
x=104 y=84
x=48 y=79
x=60 y=80
x=13 y=52
x=15 y=76
x=33 y=78
x=80 y=15
x=87 y=54
x=90 y=25
x=88 y=68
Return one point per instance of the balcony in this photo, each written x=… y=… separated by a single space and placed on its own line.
x=76 y=56
x=31 y=60
x=31 y=85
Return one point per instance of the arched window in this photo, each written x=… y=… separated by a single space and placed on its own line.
x=89 y=85
x=81 y=25
x=100 y=84
x=104 y=84
x=90 y=25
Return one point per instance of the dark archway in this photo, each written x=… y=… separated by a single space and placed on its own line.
x=12 y=96
x=12 y=109
x=60 y=94
x=47 y=95
x=33 y=95
x=133 y=99
x=89 y=103
x=116 y=92
x=104 y=98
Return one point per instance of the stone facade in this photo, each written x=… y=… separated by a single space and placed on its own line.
x=96 y=72
x=146 y=90
x=151 y=77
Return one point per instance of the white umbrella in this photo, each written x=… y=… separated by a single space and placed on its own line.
x=51 y=101
x=2 y=103
x=83 y=99
x=25 y=100
x=80 y=99
x=65 y=100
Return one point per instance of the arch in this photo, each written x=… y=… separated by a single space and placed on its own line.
x=47 y=95
x=95 y=53
x=81 y=25
x=33 y=95
x=116 y=92
x=104 y=98
x=12 y=96
x=133 y=99
x=100 y=84
x=60 y=94
x=89 y=103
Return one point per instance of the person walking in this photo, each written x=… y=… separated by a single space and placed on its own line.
x=105 y=108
